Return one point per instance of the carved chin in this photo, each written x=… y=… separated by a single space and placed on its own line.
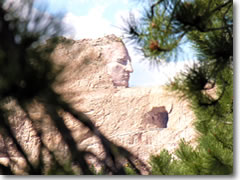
x=123 y=83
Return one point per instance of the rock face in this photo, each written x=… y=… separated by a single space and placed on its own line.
x=143 y=120
x=136 y=118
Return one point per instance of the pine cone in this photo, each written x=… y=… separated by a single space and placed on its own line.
x=153 y=45
x=153 y=25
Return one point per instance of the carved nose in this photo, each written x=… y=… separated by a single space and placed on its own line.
x=129 y=68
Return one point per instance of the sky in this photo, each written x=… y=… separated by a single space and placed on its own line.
x=97 y=18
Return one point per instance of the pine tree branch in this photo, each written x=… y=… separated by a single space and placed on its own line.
x=107 y=145
x=153 y=6
x=225 y=20
x=224 y=143
x=77 y=155
x=42 y=145
x=173 y=13
x=10 y=133
x=218 y=28
x=219 y=98
x=226 y=12
x=220 y=7
x=209 y=5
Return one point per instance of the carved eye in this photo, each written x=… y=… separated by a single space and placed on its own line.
x=122 y=61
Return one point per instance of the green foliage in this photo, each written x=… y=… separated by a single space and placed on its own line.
x=127 y=168
x=162 y=164
x=95 y=172
x=207 y=85
x=166 y=24
x=57 y=169
x=130 y=170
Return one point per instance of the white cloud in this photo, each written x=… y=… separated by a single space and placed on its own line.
x=122 y=15
x=92 y=25
x=98 y=2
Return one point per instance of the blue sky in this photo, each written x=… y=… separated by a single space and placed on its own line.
x=96 y=18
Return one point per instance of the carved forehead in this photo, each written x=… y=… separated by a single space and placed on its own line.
x=115 y=51
x=111 y=48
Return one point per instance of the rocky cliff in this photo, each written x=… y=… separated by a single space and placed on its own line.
x=143 y=120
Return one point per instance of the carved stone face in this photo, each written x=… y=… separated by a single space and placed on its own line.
x=119 y=67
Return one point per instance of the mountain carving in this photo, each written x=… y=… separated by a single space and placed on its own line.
x=95 y=81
